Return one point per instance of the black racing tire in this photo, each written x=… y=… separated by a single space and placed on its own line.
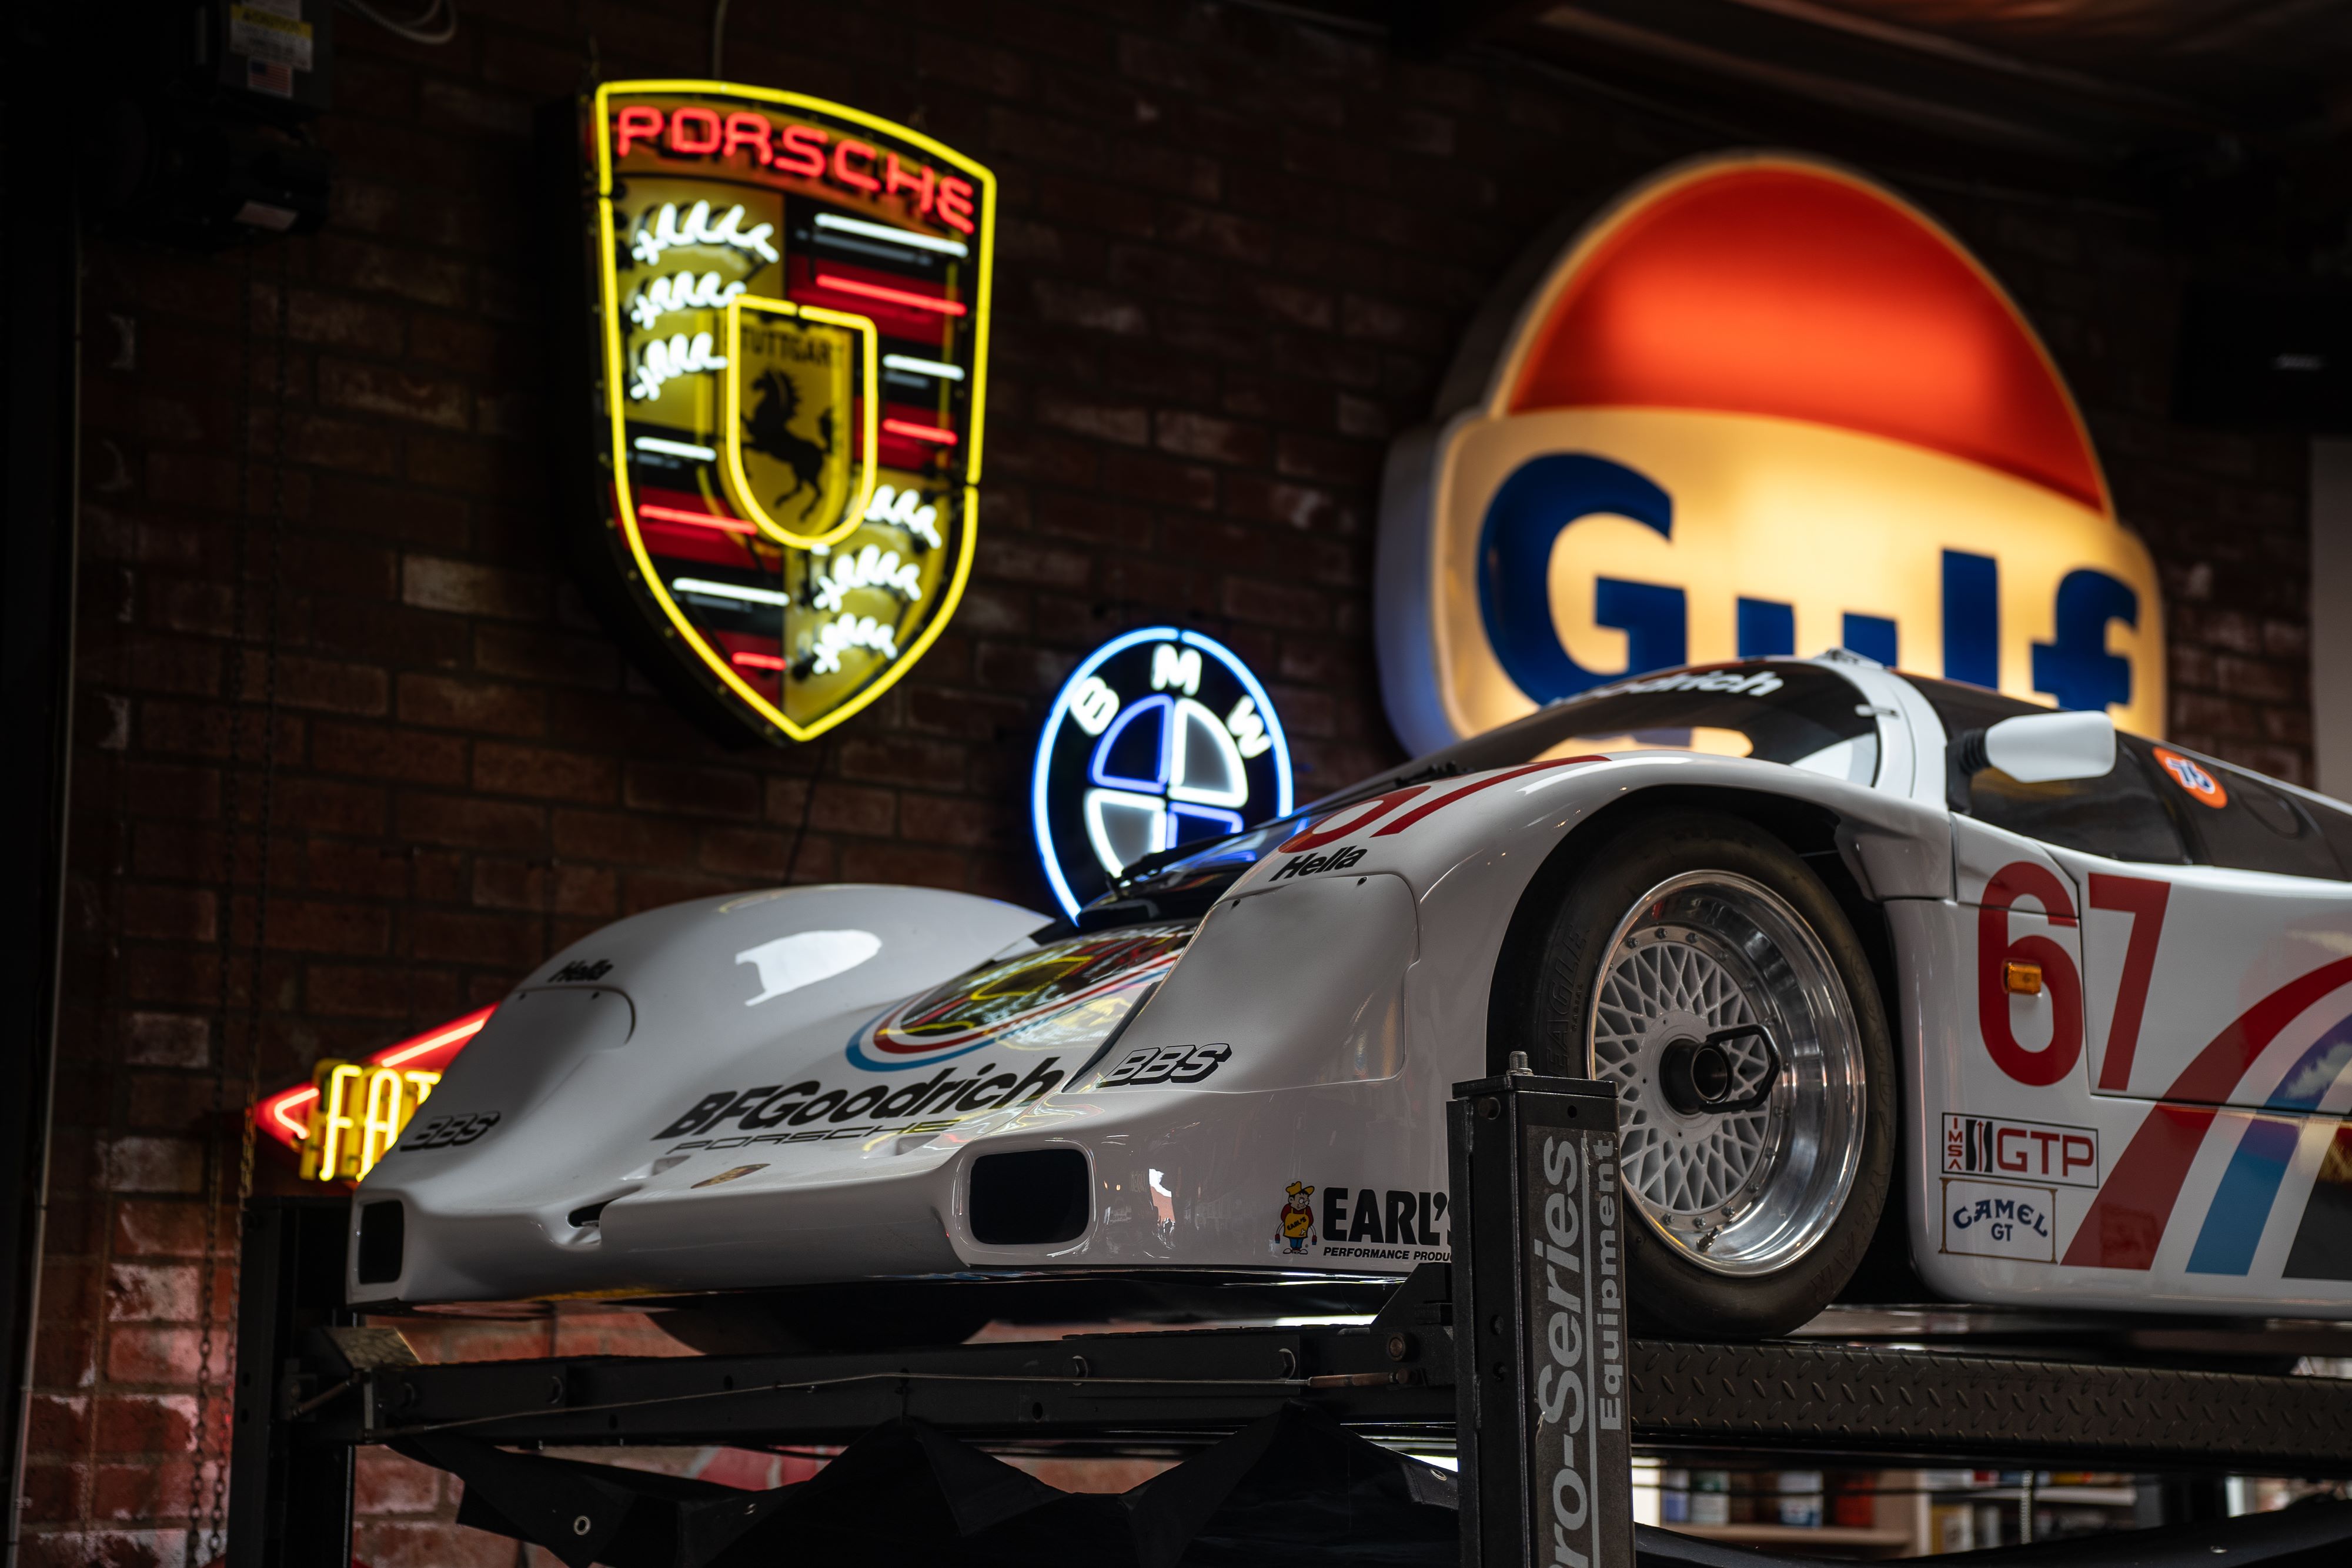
x=1645 y=900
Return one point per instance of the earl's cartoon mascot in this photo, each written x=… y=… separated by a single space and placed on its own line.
x=1759 y=407
x=1298 y=1216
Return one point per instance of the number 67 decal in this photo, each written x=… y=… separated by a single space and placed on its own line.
x=2141 y=898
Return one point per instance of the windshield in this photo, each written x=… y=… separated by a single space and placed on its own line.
x=1800 y=715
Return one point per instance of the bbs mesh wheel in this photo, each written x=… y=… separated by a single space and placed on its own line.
x=1696 y=964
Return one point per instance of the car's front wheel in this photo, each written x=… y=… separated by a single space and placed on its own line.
x=1698 y=964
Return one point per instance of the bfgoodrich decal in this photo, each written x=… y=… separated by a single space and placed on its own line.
x=808 y=1111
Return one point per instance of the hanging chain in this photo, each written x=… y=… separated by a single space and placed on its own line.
x=263 y=824
x=224 y=918
x=208 y=1529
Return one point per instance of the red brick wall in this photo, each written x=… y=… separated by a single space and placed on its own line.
x=1236 y=251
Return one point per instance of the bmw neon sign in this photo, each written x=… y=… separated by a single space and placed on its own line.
x=1159 y=737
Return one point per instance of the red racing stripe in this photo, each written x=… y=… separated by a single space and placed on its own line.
x=2127 y=1219
x=1426 y=806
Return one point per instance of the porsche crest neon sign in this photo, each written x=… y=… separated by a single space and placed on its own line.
x=792 y=313
x=1760 y=406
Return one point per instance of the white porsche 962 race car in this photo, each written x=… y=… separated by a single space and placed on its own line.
x=2069 y=1010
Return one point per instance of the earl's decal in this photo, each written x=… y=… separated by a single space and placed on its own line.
x=790 y=338
x=1760 y=406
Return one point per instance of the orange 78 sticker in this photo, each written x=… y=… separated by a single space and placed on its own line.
x=2192 y=778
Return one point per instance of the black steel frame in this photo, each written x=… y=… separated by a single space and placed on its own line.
x=302 y=1409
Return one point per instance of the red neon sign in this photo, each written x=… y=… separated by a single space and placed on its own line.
x=835 y=281
x=697 y=519
x=701 y=139
x=812 y=153
x=286 y=1115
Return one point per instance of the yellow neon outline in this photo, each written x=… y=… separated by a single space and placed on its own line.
x=331 y=1157
x=730 y=413
x=608 y=313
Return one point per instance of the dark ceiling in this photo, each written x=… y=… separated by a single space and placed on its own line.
x=2233 y=116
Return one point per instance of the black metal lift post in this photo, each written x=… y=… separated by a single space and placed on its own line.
x=289 y=1493
x=1540 y=1346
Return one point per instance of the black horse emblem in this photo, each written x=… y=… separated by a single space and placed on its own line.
x=769 y=431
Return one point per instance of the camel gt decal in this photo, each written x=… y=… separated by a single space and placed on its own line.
x=791 y=319
x=1066 y=997
x=1992 y=1219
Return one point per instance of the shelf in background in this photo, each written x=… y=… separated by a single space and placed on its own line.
x=1840 y=1539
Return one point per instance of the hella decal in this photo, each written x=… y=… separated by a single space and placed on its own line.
x=1312 y=865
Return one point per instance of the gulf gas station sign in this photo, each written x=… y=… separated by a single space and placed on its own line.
x=1759 y=407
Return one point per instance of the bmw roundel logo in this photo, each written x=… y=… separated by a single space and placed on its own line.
x=1159 y=738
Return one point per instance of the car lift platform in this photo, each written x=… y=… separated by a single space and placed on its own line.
x=1166 y=1391
x=313 y=1385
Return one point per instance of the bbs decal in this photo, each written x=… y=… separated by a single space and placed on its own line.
x=1167 y=1064
x=445 y=1132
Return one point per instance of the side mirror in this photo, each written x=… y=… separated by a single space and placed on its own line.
x=2041 y=747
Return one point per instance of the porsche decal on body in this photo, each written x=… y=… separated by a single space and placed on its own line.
x=1056 y=997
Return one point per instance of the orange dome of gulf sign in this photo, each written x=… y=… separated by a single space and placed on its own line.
x=1760 y=406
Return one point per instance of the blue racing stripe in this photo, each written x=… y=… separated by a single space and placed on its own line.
x=2241 y=1204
